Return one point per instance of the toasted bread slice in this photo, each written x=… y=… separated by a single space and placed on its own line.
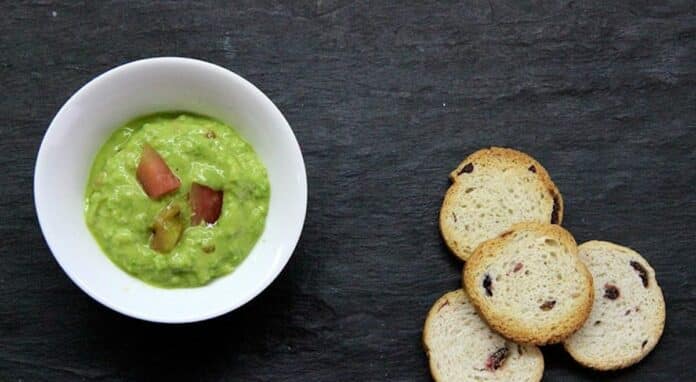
x=491 y=190
x=529 y=284
x=628 y=315
x=461 y=347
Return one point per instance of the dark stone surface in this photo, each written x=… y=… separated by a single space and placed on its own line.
x=385 y=99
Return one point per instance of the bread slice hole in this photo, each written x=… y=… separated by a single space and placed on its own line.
x=551 y=242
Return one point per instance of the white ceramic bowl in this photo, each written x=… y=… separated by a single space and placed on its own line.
x=147 y=86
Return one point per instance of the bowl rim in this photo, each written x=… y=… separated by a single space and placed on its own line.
x=263 y=283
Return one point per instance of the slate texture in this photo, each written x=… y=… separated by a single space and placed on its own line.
x=385 y=99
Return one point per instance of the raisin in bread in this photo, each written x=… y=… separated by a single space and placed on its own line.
x=628 y=314
x=491 y=190
x=461 y=347
x=529 y=284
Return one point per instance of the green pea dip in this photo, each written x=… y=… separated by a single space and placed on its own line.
x=197 y=149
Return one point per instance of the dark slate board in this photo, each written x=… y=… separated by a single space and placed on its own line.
x=385 y=99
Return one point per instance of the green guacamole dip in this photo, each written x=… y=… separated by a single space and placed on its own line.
x=197 y=149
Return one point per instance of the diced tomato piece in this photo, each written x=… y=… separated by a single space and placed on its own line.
x=167 y=229
x=206 y=204
x=154 y=174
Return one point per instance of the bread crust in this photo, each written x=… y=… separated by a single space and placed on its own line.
x=451 y=298
x=513 y=327
x=601 y=363
x=494 y=156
